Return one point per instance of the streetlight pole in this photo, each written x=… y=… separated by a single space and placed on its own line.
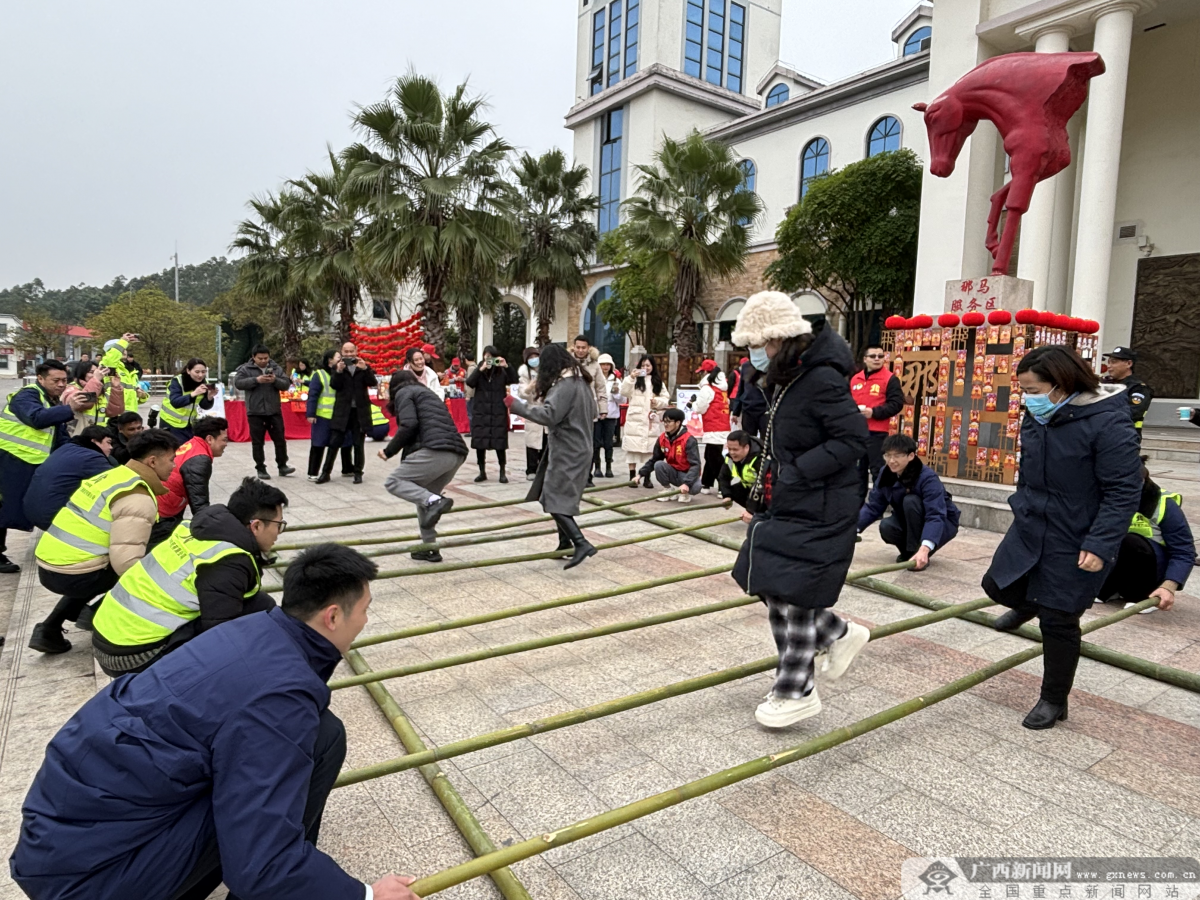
x=177 y=271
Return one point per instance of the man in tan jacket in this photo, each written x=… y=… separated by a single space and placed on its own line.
x=102 y=531
x=588 y=356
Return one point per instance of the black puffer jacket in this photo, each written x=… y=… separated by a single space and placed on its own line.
x=799 y=550
x=222 y=586
x=489 y=415
x=423 y=422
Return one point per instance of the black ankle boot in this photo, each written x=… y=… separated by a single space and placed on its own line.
x=482 y=476
x=608 y=469
x=1045 y=715
x=596 y=473
x=1015 y=618
x=583 y=548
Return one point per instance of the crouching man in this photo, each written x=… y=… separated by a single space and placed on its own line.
x=742 y=455
x=923 y=518
x=214 y=765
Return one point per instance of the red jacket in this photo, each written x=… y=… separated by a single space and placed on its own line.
x=674 y=450
x=878 y=393
x=176 y=499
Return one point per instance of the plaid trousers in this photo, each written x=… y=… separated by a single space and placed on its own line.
x=800 y=634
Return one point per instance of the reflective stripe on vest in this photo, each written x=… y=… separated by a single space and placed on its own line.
x=82 y=530
x=31 y=445
x=325 y=400
x=159 y=594
x=377 y=416
x=748 y=474
x=178 y=416
x=1152 y=528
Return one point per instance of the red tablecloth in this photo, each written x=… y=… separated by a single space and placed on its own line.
x=296 y=427
x=458 y=412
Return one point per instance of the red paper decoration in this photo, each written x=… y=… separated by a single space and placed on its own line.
x=1027 y=317
x=894 y=322
x=948 y=320
x=1061 y=321
x=973 y=319
x=999 y=317
x=1090 y=326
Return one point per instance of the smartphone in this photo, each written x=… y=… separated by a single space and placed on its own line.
x=90 y=396
x=350 y=361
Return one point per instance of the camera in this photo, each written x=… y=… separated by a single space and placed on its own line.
x=350 y=361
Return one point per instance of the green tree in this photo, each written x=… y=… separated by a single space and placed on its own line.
x=691 y=218
x=169 y=332
x=637 y=303
x=42 y=336
x=430 y=171
x=558 y=232
x=853 y=238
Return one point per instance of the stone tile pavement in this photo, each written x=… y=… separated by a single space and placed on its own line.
x=1121 y=777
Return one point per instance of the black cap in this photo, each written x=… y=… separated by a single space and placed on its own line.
x=1123 y=353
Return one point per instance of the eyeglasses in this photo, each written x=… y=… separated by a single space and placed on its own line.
x=282 y=523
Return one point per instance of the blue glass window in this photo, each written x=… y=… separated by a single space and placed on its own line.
x=632 y=14
x=750 y=172
x=913 y=44
x=885 y=136
x=777 y=95
x=610 y=170
x=715 y=57
x=597 y=49
x=737 y=39
x=814 y=161
x=693 y=38
x=600 y=335
x=614 y=43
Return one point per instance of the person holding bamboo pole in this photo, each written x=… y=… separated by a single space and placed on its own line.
x=565 y=403
x=804 y=501
x=1081 y=483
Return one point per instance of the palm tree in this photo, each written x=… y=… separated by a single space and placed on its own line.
x=691 y=217
x=323 y=222
x=558 y=232
x=430 y=171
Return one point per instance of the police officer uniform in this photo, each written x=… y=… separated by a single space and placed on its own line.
x=1137 y=391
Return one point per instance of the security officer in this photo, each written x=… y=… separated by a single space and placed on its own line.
x=1120 y=371
x=209 y=571
x=742 y=453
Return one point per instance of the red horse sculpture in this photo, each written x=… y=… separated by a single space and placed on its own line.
x=1029 y=97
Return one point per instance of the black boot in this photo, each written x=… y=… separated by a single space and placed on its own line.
x=633 y=477
x=564 y=539
x=646 y=482
x=1015 y=618
x=1045 y=714
x=583 y=548
x=503 y=476
x=327 y=469
x=608 y=465
x=596 y=473
x=48 y=639
x=482 y=476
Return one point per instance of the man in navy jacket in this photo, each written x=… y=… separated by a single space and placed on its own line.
x=923 y=518
x=54 y=481
x=213 y=765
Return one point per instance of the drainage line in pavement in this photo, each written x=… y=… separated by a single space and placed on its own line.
x=630 y=812
x=1178 y=677
x=466 y=507
x=438 y=568
x=447 y=795
x=621 y=704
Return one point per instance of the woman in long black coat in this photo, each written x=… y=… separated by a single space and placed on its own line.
x=489 y=416
x=801 y=539
x=1080 y=484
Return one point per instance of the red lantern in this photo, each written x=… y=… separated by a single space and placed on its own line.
x=973 y=319
x=923 y=321
x=1093 y=326
x=1045 y=319
x=1027 y=317
x=1061 y=321
x=948 y=320
x=1074 y=323
x=999 y=317
x=893 y=322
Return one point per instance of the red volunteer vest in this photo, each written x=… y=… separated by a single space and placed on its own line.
x=870 y=391
x=175 y=500
x=675 y=451
x=716 y=417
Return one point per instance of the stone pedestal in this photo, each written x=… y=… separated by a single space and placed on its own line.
x=988 y=293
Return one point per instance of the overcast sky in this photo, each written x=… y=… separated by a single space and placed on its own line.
x=128 y=125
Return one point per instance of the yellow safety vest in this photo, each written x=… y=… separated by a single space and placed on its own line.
x=115 y=359
x=82 y=530
x=326 y=398
x=377 y=416
x=159 y=594
x=31 y=445
x=748 y=475
x=1152 y=528
x=178 y=416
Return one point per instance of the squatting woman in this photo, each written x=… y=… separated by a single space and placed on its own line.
x=805 y=500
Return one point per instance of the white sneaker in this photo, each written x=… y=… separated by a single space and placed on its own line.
x=780 y=712
x=685 y=498
x=664 y=499
x=1148 y=609
x=529 y=477
x=844 y=649
x=312 y=477
x=705 y=490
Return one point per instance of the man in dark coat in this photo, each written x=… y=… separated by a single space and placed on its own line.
x=350 y=381
x=489 y=421
x=1120 y=371
x=124 y=428
x=214 y=765
x=261 y=379
x=924 y=517
x=750 y=404
x=431 y=452
x=84 y=456
x=188 y=484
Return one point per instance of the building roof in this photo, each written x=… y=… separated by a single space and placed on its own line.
x=794 y=74
x=666 y=79
x=921 y=10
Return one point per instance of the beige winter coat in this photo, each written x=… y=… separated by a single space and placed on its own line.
x=592 y=367
x=643 y=417
x=527 y=379
x=134 y=514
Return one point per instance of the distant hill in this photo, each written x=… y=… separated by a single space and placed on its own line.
x=198 y=285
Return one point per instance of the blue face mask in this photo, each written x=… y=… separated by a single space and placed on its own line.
x=759 y=358
x=533 y=362
x=1041 y=407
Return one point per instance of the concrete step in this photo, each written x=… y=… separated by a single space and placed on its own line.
x=986 y=515
x=1171 y=455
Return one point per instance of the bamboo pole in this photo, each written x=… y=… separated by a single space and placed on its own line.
x=437 y=568
x=468 y=507
x=620 y=704
x=1167 y=674
x=568 y=637
x=493 y=538
x=727 y=543
x=512 y=611
x=478 y=529
x=447 y=795
x=640 y=808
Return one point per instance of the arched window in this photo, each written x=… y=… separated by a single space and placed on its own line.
x=917 y=41
x=885 y=136
x=599 y=334
x=777 y=95
x=750 y=172
x=813 y=162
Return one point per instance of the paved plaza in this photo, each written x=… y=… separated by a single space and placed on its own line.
x=1121 y=777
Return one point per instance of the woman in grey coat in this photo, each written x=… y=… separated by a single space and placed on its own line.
x=566 y=405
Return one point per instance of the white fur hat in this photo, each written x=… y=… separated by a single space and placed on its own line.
x=768 y=315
